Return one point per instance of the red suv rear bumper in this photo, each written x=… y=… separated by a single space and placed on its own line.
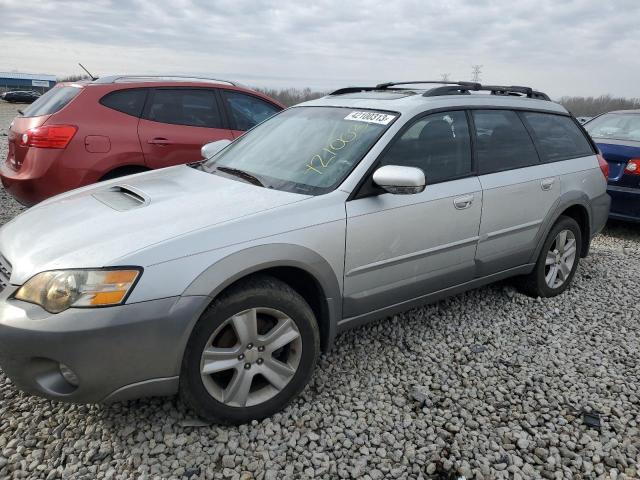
x=39 y=178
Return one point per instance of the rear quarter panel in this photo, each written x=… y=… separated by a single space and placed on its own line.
x=106 y=139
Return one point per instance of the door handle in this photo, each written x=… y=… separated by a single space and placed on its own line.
x=463 y=202
x=547 y=183
x=160 y=141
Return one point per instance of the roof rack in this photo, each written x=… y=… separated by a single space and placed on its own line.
x=461 y=89
x=385 y=86
x=159 y=78
x=453 y=88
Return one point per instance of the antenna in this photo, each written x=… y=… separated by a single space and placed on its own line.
x=88 y=72
x=476 y=70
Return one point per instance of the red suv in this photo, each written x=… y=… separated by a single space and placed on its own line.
x=80 y=133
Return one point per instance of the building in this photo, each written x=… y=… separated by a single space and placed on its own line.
x=26 y=81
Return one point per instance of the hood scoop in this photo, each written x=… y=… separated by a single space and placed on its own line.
x=122 y=198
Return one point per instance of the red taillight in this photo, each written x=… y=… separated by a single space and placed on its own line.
x=633 y=167
x=48 y=136
x=604 y=166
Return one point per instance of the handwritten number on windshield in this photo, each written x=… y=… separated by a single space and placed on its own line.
x=328 y=153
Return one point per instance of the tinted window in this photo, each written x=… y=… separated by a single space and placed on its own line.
x=196 y=108
x=128 y=101
x=247 y=111
x=557 y=137
x=616 y=126
x=503 y=142
x=52 y=101
x=439 y=144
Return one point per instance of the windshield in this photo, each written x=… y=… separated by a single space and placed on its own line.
x=616 y=126
x=304 y=149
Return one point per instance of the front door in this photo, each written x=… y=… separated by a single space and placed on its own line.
x=401 y=247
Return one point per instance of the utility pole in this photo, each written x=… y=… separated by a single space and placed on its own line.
x=444 y=77
x=476 y=70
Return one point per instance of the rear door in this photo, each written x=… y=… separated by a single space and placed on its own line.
x=246 y=111
x=177 y=122
x=518 y=190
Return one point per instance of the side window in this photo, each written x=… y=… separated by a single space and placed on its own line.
x=557 y=136
x=503 y=142
x=129 y=101
x=182 y=106
x=247 y=111
x=439 y=144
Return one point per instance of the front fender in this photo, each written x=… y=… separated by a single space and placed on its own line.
x=233 y=267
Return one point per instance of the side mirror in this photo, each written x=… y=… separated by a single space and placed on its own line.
x=400 y=180
x=208 y=150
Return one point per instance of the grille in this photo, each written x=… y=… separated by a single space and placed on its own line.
x=5 y=273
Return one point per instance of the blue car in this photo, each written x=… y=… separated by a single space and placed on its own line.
x=617 y=135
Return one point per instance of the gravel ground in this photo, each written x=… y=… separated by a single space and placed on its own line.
x=488 y=384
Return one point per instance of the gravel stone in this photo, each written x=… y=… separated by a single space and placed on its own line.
x=411 y=396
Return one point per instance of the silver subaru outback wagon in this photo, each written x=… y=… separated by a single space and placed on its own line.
x=224 y=279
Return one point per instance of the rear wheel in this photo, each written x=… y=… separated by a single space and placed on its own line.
x=557 y=262
x=251 y=352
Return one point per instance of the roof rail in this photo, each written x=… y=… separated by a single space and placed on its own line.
x=342 y=91
x=461 y=89
x=452 y=88
x=385 y=86
x=382 y=86
x=159 y=78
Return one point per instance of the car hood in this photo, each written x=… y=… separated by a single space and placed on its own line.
x=97 y=225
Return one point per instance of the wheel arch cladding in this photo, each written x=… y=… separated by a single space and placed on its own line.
x=574 y=205
x=302 y=269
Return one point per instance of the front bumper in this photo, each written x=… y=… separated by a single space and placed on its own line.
x=120 y=352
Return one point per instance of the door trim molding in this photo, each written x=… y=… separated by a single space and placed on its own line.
x=409 y=256
x=505 y=231
x=352 y=322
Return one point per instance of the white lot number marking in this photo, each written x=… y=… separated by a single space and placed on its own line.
x=370 y=117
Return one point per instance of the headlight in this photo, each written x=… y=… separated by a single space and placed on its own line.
x=58 y=290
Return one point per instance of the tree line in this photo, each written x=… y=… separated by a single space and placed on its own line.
x=578 y=106
x=592 y=106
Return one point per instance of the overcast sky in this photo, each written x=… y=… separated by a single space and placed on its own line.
x=579 y=47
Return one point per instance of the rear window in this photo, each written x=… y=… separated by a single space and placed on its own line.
x=129 y=101
x=52 y=101
x=557 y=137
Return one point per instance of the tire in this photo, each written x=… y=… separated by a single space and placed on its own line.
x=218 y=394
x=539 y=282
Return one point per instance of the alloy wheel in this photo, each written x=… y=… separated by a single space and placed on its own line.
x=560 y=259
x=251 y=357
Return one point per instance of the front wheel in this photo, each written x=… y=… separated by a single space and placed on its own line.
x=251 y=352
x=557 y=262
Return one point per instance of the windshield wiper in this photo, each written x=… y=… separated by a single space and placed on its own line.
x=242 y=174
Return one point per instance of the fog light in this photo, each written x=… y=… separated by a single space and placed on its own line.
x=69 y=375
